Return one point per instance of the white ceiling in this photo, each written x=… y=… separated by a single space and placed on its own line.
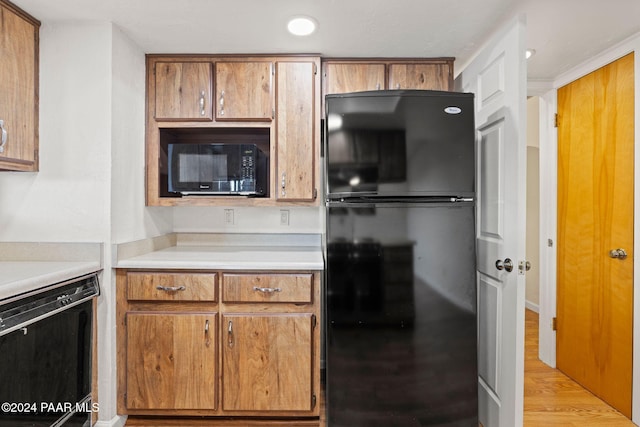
x=563 y=32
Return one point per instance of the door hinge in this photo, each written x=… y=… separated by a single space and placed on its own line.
x=556 y=120
x=554 y=324
x=550 y=243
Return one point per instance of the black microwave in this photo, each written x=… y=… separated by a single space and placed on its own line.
x=217 y=169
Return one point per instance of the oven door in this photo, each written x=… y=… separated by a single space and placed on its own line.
x=46 y=370
x=46 y=355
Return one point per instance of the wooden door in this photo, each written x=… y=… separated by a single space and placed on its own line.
x=171 y=361
x=18 y=91
x=501 y=222
x=353 y=77
x=183 y=91
x=295 y=131
x=420 y=76
x=595 y=216
x=267 y=362
x=244 y=91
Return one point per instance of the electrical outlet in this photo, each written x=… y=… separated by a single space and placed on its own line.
x=284 y=217
x=228 y=216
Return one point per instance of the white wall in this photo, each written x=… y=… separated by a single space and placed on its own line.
x=68 y=200
x=90 y=187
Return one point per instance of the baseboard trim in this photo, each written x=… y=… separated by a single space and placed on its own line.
x=532 y=306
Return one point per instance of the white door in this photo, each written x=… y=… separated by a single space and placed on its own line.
x=497 y=76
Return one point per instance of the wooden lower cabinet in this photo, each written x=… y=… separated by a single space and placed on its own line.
x=246 y=352
x=267 y=362
x=171 y=361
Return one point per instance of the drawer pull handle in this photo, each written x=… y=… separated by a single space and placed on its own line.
x=266 y=290
x=171 y=288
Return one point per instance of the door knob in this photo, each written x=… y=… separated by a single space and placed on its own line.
x=507 y=265
x=618 y=253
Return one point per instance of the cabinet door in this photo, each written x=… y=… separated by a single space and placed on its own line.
x=295 y=131
x=420 y=76
x=356 y=77
x=183 y=91
x=267 y=362
x=171 y=360
x=244 y=91
x=18 y=92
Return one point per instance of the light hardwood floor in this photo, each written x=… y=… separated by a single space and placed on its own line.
x=552 y=399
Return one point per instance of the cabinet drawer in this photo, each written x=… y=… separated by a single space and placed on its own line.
x=171 y=286
x=292 y=288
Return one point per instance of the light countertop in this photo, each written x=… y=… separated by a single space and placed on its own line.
x=27 y=266
x=18 y=277
x=218 y=252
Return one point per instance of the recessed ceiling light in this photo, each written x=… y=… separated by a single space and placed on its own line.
x=301 y=26
x=529 y=53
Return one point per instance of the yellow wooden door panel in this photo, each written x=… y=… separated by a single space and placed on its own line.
x=595 y=216
x=267 y=362
x=171 y=361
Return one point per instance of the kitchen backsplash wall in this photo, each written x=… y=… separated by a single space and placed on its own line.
x=290 y=220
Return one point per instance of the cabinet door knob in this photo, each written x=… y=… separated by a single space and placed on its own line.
x=3 y=141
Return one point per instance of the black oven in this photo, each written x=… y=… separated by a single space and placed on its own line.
x=45 y=356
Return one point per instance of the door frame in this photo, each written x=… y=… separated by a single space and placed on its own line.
x=548 y=214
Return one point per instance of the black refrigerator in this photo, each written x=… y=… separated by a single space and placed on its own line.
x=400 y=289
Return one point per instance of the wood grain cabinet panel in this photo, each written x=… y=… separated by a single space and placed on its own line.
x=296 y=131
x=244 y=90
x=267 y=362
x=353 y=77
x=171 y=361
x=250 y=354
x=150 y=286
x=183 y=91
x=19 y=44
x=420 y=76
x=294 y=288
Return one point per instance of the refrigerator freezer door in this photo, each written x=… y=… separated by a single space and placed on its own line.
x=400 y=143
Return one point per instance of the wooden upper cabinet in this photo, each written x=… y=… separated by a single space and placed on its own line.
x=353 y=77
x=171 y=361
x=19 y=40
x=183 y=91
x=244 y=90
x=420 y=76
x=296 y=131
